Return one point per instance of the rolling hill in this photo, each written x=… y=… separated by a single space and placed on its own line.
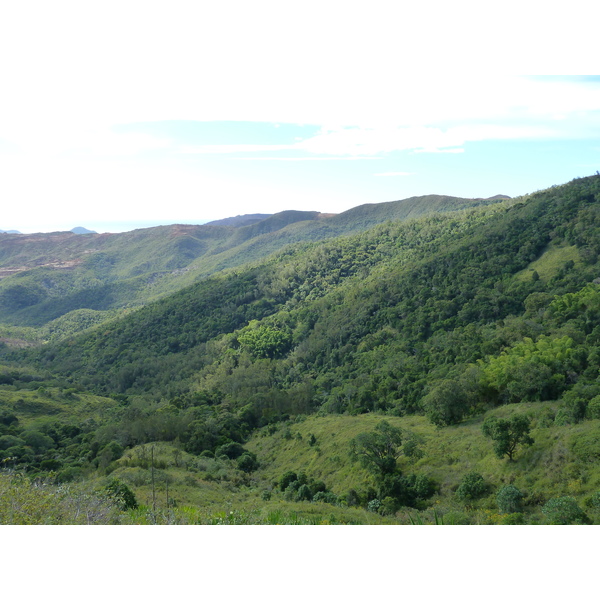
x=46 y=276
x=450 y=326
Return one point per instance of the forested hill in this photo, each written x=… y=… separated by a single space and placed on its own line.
x=466 y=344
x=371 y=321
x=45 y=277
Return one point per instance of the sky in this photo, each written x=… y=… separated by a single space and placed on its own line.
x=120 y=115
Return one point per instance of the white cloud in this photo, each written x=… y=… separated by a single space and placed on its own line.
x=439 y=150
x=375 y=83
x=79 y=67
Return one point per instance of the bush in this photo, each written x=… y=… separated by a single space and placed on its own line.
x=286 y=479
x=593 y=408
x=123 y=497
x=291 y=491
x=247 y=462
x=472 y=487
x=230 y=450
x=509 y=499
x=304 y=493
x=328 y=497
x=564 y=511
x=114 y=450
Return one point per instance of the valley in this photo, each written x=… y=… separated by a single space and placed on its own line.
x=433 y=360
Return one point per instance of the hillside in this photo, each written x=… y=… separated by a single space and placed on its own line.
x=240 y=220
x=46 y=276
x=456 y=327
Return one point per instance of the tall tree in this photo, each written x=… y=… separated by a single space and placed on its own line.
x=508 y=434
x=378 y=450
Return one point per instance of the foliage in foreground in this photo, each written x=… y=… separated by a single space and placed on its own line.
x=37 y=502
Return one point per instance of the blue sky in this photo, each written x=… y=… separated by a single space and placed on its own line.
x=129 y=115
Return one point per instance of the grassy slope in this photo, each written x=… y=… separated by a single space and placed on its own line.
x=563 y=461
x=557 y=464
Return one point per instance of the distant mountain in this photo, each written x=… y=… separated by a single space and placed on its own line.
x=240 y=220
x=82 y=230
x=9 y=231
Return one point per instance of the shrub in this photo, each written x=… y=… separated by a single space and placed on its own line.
x=247 y=462
x=291 y=490
x=593 y=408
x=328 y=497
x=114 y=449
x=351 y=498
x=509 y=499
x=121 y=494
x=472 y=487
x=286 y=479
x=230 y=450
x=564 y=511
x=304 y=493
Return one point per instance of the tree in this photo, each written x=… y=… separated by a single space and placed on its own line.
x=564 y=511
x=264 y=341
x=230 y=450
x=378 y=450
x=509 y=499
x=247 y=462
x=508 y=434
x=286 y=479
x=446 y=404
x=471 y=487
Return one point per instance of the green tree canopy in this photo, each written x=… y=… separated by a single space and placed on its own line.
x=378 y=450
x=508 y=434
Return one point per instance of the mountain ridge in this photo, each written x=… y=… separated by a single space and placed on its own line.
x=58 y=272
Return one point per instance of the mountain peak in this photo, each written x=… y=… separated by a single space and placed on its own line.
x=82 y=230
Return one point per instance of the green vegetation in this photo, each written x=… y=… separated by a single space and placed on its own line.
x=378 y=376
x=508 y=434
